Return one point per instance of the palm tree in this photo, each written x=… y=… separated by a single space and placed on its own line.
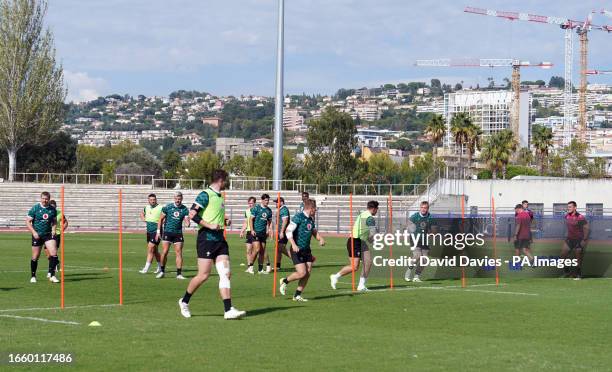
x=542 y=139
x=460 y=129
x=498 y=150
x=436 y=128
x=473 y=141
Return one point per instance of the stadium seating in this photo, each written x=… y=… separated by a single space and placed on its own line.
x=95 y=207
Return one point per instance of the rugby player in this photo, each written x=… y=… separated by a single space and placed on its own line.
x=423 y=223
x=208 y=212
x=305 y=196
x=246 y=231
x=284 y=217
x=172 y=218
x=151 y=215
x=364 y=229
x=41 y=221
x=60 y=220
x=261 y=220
x=577 y=238
x=299 y=233
x=522 y=232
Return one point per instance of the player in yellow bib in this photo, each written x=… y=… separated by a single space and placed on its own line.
x=62 y=221
x=247 y=229
x=208 y=212
x=151 y=215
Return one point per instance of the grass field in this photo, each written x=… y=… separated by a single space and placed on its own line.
x=522 y=324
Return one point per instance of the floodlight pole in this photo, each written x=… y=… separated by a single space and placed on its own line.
x=277 y=172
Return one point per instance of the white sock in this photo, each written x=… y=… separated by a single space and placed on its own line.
x=158 y=265
x=362 y=281
x=146 y=266
x=337 y=275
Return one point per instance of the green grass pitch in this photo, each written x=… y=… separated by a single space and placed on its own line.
x=525 y=323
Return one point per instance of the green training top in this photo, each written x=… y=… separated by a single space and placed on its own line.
x=42 y=218
x=175 y=215
x=152 y=216
x=59 y=218
x=423 y=223
x=284 y=212
x=303 y=230
x=262 y=215
x=212 y=210
x=361 y=226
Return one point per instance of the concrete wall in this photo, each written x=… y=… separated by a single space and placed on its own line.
x=508 y=193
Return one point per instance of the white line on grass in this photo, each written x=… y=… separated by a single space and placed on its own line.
x=57 y=308
x=454 y=288
x=38 y=319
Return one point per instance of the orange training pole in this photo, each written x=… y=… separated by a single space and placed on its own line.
x=352 y=242
x=463 y=281
x=276 y=243
x=494 y=239
x=391 y=229
x=62 y=248
x=120 y=248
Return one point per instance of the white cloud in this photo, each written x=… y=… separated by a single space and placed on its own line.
x=82 y=87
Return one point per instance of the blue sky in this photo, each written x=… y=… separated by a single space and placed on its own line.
x=153 y=47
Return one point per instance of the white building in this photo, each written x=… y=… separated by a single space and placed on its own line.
x=293 y=121
x=490 y=110
x=375 y=138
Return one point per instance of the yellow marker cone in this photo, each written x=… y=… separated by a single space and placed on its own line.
x=95 y=324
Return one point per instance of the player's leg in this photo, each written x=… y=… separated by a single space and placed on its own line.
x=34 y=261
x=366 y=257
x=150 y=253
x=416 y=257
x=579 y=252
x=163 y=258
x=262 y=253
x=353 y=263
x=302 y=283
x=222 y=264
x=266 y=259
x=204 y=267
x=565 y=250
x=178 y=250
x=50 y=244
x=423 y=252
x=251 y=259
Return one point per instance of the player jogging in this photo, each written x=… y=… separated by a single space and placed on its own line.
x=299 y=233
x=305 y=196
x=151 y=215
x=577 y=238
x=208 y=212
x=61 y=220
x=247 y=229
x=261 y=220
x=172 y=218
x=522 y=231
x=364 y=229
x=284 y=218
x=41 y=222
x=422 y=223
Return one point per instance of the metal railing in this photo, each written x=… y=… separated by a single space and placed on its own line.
x=377 y=189
x=248 y=183
x=76 y=178
x=134 y=179
x=172 y=183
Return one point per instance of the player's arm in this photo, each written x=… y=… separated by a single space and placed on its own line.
x=64 y=223
x=585 y=231
x=244 y=225
x=269 y=229
x=283 y=227
x=31 y=227
x=252 y=221
x=186 y=220
x=319 y=237
x=372 y=230
x=193 y=215
x=516 y=230
x=53 y=226
x=142 y=216
x=160 y=223
x=290 y=229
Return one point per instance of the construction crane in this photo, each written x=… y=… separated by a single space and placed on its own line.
x=599 y=72
x=582 y=28
x=491 y=62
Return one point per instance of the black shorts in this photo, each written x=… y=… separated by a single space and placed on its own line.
x=211 y=249
x=302 y=256
x=58 y=240
x=260 y=237
x=574 y=243
x=249 y=238
x=42 y=239
x=284 y=240
x=173 y=237
x=522 y=243
x=358 y=247
x=152 y=238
